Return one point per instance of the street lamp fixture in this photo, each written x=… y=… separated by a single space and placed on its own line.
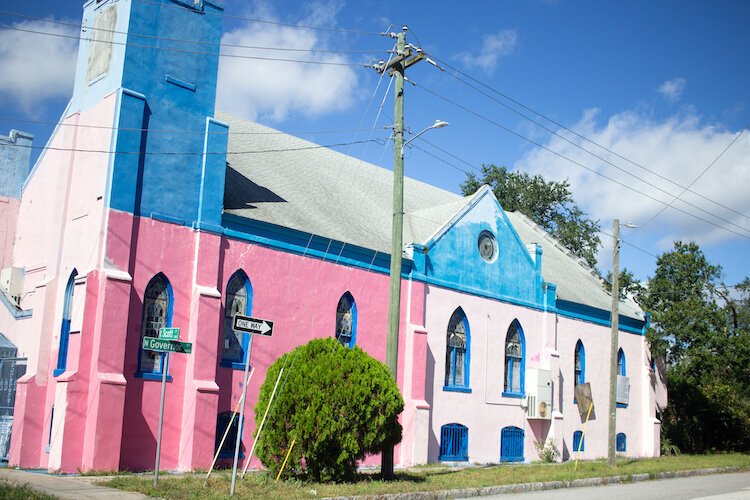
x=437 y=124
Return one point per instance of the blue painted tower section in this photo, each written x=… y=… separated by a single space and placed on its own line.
x=15 y=162
x=162 y=57
x=452 y=259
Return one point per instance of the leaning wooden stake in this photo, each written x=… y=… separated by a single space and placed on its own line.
x=583 y=435
x=226 y=432
x=262 y=422
x=287 y=458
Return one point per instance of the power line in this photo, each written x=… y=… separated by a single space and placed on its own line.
x=573 y=143
x=185 y=51
x=560 y=155
x=456 y=70
x=266 y=21
x=657 y=214
x=188 y=153
x=178 y=131
x=183 y=40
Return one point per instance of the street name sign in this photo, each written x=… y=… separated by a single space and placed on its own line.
x=169 y=333
x=154 y=344
x=255 y=326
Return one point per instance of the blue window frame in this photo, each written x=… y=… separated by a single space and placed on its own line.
x=621 y=442
x=346 y=320
x=622 y=371
x=515 y=361
x=579 y=375
x=62 y=352
x=454 y=443
x=49 y=436
x=227 y=448
x=511 y=444
x=578 y=440
x=238 y=299
x=457 y=353
x=157 y=313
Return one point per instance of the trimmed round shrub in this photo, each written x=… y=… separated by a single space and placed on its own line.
x=338 y=404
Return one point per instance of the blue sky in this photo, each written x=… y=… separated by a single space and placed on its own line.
x=662 y=84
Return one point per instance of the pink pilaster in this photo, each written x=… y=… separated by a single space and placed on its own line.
x=200 y=404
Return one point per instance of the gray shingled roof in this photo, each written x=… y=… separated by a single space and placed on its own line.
x=298 y=185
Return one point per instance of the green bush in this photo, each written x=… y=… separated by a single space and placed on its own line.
x=338 y=404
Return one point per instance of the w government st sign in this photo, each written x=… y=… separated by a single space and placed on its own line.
x=161 y=345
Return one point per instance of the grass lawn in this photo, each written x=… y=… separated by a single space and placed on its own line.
x=12 y=491
x=429 y=478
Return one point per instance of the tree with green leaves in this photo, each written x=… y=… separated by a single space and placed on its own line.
x=548 y=203
x=702 y=330
x=337 y=405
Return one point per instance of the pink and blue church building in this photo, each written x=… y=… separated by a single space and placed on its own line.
x=148 y=208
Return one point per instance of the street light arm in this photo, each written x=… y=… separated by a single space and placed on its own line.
x=437 y=124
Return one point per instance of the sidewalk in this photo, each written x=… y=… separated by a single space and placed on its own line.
x=67 y=487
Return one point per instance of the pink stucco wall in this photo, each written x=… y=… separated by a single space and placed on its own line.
x=298 y=293
x=60 y=220
x=550 y=344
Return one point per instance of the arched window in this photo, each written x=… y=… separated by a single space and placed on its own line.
x=224 y=420
x=621 y=370
x=511 y=444
x=62 y=352
x=238 y=299
x=515 y=361
x=454 y=443
x=579 y=377
x=157 y=313
x=621 y=442
x=346 y=320
x=457 y=353
x=578 y=442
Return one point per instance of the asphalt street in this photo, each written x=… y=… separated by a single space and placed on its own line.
x=731 y=486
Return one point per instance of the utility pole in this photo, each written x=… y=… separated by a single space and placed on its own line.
x=397 y=65
x=614 y=341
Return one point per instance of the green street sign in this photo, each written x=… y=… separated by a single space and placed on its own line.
x=154 y=344
x=169 y=333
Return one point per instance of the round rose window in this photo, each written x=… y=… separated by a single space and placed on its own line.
x=487 y=246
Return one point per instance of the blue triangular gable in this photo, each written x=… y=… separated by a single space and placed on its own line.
x=451 y=257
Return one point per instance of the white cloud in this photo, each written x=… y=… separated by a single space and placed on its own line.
x=273 y=90
x=679 y=149
x=37 y=67
x=494 y=47
x=672 y=90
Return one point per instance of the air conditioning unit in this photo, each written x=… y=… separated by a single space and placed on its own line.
x=11 y=282
x=623 y=390
x=538 y=394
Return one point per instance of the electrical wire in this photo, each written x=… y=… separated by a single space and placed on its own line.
x=182 y=40
x=267 y=21
x=562 y=156
x=626 y=172
x=657 y=214
x=178 y=131
x=187 y=153
x=185 y=51
x=560 y=125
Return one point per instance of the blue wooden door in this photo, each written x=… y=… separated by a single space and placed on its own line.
x=511 y=444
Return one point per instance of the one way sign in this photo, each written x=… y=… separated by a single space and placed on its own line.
x=256 y=326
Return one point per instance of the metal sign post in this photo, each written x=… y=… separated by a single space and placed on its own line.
x=166 y=343
x=252 y=326
x=241 y=422
x=161 y=416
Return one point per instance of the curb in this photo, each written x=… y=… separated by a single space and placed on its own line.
x=549 y=485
